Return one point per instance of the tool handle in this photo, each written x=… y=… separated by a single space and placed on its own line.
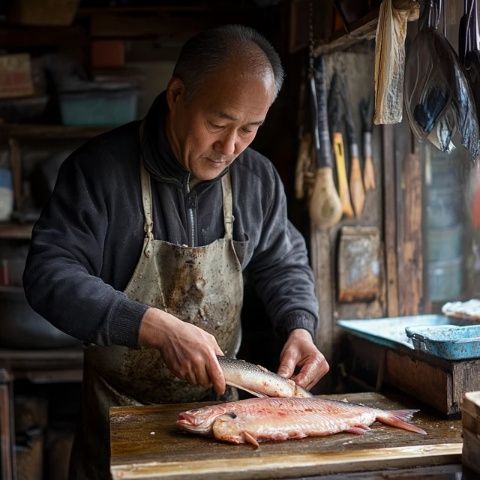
x=325 y=207
x=368 y=168
x=325 y=154
x=342 y=175
x=357 y=190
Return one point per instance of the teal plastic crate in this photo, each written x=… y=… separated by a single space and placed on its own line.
x=101 y=105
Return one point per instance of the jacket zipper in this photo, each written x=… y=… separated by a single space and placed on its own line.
x=190 y=214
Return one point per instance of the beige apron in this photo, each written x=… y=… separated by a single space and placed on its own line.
x=200 y=285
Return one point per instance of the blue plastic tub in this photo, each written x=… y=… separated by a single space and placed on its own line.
x=442 y=336
x=447 y=341
x=101 y=104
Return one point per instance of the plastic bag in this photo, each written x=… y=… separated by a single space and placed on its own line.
x=438 y=99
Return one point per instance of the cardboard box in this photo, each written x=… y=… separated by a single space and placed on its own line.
x=15 y=76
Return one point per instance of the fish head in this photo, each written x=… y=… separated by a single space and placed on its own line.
x=198 y=420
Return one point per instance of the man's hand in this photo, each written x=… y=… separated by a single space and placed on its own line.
x=300 y=352
x=188 y=351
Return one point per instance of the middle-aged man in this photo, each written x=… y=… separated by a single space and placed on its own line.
x=141 y=248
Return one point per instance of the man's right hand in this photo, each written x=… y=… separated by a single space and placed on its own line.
x=187 y=350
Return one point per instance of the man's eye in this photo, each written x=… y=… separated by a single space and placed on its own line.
x=214 y=125
x=247 y=130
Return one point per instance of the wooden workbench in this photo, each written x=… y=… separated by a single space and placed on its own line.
x=145 y=443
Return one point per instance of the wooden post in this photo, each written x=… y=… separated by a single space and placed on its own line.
x=390 y=216
x=410 y=255
x=7 y=429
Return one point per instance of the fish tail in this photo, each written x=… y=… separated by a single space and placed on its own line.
x=400 y=419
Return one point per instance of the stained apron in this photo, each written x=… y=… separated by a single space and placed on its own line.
x=199 y=285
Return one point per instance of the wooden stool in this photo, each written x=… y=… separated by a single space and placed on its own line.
x=7 y=429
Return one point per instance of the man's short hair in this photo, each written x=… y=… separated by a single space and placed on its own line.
x=209 y=50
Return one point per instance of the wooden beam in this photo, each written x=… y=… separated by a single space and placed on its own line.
x=49 y=132
x=390 y=219
x=410 y=253
x=321 y=254
x=363 y=29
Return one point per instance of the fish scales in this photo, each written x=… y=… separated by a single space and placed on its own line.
x=262 y=419
x=257 y=380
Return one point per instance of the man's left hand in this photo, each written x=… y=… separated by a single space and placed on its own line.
x=299 y=352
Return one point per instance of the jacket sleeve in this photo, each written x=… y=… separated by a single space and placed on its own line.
x=62 y=278
x=280 y=268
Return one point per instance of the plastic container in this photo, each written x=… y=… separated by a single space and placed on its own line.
x=445 y=243
x=445 y=279
x=106 y=105
x=6 y=194
x=447 y=341
x=444 y=206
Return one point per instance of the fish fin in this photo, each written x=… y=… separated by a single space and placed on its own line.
x=358 y=429
x=249 y=438
x=241 y=387
x=302 y=392
x=400 y=419
x=261 y=367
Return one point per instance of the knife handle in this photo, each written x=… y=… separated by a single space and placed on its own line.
x=342 y=175
x=368 y=168
x=357 y=190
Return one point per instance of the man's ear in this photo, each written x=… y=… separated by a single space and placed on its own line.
x=175 y=91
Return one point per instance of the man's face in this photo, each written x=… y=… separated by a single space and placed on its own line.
x=210 y=130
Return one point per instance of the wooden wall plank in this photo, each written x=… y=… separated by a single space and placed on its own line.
x=390 y=223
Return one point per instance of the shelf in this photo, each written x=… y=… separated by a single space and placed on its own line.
x=16 y=231
x=50 y=132
x=20 y=37
x=59 y=365
x=363 y=29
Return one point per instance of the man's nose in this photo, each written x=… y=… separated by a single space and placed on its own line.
x=227 y=144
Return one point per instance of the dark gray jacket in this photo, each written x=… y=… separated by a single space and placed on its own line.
x=89 y=237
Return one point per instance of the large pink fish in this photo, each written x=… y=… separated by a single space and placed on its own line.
x=261 y=419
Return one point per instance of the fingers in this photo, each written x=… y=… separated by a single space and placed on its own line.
x=216 y=377
x=287 y=365
x=188 y=351
x=300 y=352
x=312 y=371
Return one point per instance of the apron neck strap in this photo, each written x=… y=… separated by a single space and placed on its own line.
x=227 y=205
x=146 y=200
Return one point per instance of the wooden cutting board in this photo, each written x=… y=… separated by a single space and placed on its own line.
x=146 y=444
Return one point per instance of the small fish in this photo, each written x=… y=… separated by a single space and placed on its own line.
x=257 y=380
x=261 y=419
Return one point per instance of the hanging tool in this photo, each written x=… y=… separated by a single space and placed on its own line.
x=438 y=99
x=304 y=160
x=366 y=113
x=463 y=38
x=335 y=115
x=357 y=190
x=325 y=206
x=472 y=50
